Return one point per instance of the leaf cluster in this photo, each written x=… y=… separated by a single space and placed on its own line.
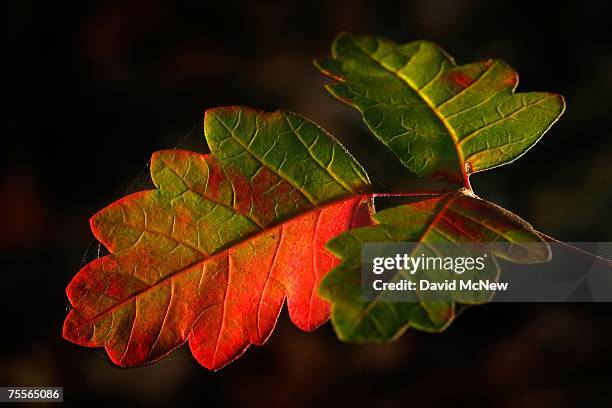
x=279 y=209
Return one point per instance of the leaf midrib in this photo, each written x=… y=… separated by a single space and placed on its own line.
x=436 y=216
x=429 y=104
x=222 y=252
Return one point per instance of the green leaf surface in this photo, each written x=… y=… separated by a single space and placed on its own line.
x=450 y=218
x=441 y=120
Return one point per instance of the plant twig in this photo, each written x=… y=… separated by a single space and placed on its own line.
x=597 y=258
x=422 y=193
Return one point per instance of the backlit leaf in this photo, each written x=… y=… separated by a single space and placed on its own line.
x=441 y=120
x=450 y=218
x=210 y=255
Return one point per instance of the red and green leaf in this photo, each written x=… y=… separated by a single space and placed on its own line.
x=210 y=256
x=450 y=218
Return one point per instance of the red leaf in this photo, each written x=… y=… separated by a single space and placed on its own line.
x=209 y=258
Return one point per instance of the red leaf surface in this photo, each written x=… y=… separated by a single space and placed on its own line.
x=210 y=256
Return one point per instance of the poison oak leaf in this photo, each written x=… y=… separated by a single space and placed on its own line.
x=450 y=218
x=210 y=255
x=441 y=120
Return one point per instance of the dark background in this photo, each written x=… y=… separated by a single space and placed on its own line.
x=93 y=88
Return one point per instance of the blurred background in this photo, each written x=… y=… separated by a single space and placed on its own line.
x=93 y=88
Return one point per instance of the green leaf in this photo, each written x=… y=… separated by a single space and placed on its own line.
x=300 y=152
x=450 y=218
x=441 y=120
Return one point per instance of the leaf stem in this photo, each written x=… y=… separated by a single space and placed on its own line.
x=599 y=259
x=422 y=193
